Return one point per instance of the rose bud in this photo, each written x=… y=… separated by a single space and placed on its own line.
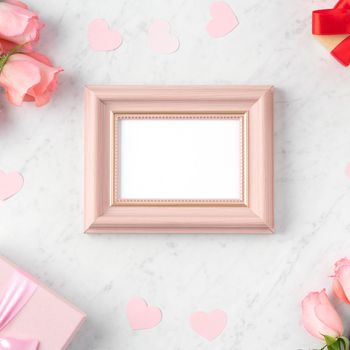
x=18 y=24
x=320 y=317
x=29 y=77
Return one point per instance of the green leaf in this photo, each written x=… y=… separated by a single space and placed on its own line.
x=346 y=343
x=335 y=346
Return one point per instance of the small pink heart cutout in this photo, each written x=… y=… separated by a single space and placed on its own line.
x=209 y=325
x=142 y=316
x=101 y=38
x=347 y=170
x=10 y=184
x=224 y=19
x=160 y=39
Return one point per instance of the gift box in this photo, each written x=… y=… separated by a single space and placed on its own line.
x=332 y=42
x=33 y=317
x=332 y=29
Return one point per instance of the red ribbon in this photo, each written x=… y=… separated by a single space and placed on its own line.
x=332 y=22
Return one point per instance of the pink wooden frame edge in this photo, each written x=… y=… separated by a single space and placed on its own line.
x=99 y=217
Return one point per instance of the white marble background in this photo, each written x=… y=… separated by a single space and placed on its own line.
x=258 y=280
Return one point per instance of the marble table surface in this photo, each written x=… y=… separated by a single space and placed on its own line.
x=259 y=280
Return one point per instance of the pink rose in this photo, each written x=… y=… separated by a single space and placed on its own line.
x=29 y=77
x=18 y=24
x=341 y=281
x=319 y=316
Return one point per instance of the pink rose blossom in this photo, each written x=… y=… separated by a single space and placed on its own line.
x=341 y=281
x=18 y=24
x=319 y=316
x=29 y=77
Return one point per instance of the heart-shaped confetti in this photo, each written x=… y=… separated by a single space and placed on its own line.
x=10 y=184
x=209 y=325
x=141 y=315
x=347 y=170
x=101 y=38
x=223 y=20
x=160 y=38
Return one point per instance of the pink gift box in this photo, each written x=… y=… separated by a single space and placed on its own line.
x=43 y=317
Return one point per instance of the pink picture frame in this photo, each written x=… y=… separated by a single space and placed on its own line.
x=106 y=212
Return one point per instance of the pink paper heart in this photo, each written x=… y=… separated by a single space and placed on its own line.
x=160 y=39
x=142 y=316
x=101 y=38
x=224 y=19
x=347 y=169
x=209 y=325
x=10 y=184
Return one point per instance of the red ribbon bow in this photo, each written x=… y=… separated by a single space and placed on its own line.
x=333 y=22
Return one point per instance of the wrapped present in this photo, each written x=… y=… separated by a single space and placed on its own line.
x=332 y=28
x=32 y=317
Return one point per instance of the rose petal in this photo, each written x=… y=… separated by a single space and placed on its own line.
x=6 y=46
x=17 y=78
x=343 y=276
x=13 y=20
x=18 y=24
x=329 y=316
x=40 y=57
x=311 y=322
x=339 y=291
x=340 y=263
x=17 y=3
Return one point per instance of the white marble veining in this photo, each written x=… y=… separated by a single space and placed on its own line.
x=258 y=280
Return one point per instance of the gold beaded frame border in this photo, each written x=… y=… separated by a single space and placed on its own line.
x=116 y=117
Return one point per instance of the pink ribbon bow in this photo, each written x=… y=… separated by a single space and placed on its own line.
x=16 y=294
